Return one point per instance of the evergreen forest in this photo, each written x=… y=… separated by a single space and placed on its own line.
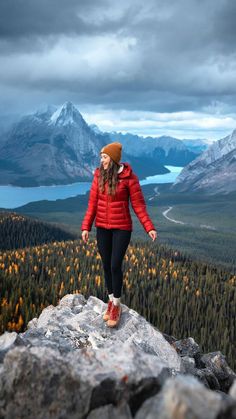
x=179 y=296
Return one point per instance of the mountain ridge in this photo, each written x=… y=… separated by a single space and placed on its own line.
x=55 y=145
x=164 y=149
x=214 y=171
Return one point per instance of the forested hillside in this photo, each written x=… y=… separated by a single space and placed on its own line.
x=18 y=231
x=179 y=296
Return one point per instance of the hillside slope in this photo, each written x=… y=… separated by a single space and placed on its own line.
x=18 y=231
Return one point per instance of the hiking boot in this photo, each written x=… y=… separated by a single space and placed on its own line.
x=106 y=315
x=114 y=316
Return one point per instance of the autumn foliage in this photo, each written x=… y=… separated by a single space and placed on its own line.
x=179 y=296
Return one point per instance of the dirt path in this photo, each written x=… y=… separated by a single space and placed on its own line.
x=164 y=213
x=171 y=219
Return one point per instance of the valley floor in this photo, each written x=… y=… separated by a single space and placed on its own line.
x=202 y=226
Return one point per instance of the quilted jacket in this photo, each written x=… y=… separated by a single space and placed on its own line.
x=113 y=211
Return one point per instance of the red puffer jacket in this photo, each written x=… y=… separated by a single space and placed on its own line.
x=113 y=211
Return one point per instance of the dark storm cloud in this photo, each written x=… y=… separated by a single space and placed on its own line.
x=155 y=55
x=224 y=27
x=20 y=18
x=27 y=25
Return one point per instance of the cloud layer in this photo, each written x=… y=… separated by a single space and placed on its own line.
x=150 y=57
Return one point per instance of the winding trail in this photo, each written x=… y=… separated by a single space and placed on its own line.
x=171 y=219
x=164 y=213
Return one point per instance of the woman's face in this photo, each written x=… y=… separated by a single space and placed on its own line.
x=105 y=160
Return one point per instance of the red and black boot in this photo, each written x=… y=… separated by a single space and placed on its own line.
x=107 y=313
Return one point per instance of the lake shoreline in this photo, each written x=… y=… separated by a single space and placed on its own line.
x=16 y=196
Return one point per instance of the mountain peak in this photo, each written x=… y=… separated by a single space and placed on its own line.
x=66 y=114
x=68 y=106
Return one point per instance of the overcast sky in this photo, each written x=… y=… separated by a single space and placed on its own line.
x=150 y=67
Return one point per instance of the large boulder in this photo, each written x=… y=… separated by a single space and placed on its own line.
x=69 y=362
x=185 y=397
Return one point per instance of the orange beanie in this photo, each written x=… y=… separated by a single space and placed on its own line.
x=113 y=150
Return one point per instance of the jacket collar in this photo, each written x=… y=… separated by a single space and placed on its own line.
x=120 y=168
x=126 y=172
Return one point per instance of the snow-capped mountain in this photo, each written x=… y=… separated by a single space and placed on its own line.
x=214 y=171
x=51 y=146
x=65 y=115
x=57 y=146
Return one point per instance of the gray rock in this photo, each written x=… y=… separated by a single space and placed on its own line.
x=169 y=338
x=188 y=364
x=208 y=378
x=32 y=323
x=74 y=363
x=8 y=341
x=70 y=364
x=38 y=382
x=228 y=410
x=182 y=397
x=186 y=347
x=232 y=390
x=111 y=412
x=75 y=323
x=215 y=361
x=205 y=375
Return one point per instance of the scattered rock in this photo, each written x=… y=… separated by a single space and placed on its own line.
x=215 y=361
x=182 y=397
x=186 y=347
x=10 y=340
x=111 y=412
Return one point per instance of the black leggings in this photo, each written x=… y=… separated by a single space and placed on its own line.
x=112 y=245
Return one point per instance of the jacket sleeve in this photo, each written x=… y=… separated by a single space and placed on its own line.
x=138 y=203
x=92 y=205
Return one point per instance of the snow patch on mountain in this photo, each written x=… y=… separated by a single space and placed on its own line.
x=65 y=115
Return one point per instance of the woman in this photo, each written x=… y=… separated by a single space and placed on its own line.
x=113 y=184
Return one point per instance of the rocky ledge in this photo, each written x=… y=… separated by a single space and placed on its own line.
x=69 y=364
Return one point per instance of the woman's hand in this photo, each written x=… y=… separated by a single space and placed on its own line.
x=85 y=235
x=153 y=234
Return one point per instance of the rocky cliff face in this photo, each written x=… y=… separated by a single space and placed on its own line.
x=70 y=364
x=214 y=171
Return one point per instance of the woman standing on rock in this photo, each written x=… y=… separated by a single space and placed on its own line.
x=113 y=184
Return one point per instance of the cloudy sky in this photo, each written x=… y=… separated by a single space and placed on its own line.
x=153 y=67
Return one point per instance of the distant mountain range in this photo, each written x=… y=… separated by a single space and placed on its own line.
x=57 y=146
x=198 y=145
x=214 y=171
x=166 y=150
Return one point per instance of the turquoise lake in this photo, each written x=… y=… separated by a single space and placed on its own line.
x=13 y=196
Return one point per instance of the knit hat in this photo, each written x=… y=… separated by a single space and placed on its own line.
x=113 y=150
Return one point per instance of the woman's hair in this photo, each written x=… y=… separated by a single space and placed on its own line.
x=110 y=175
